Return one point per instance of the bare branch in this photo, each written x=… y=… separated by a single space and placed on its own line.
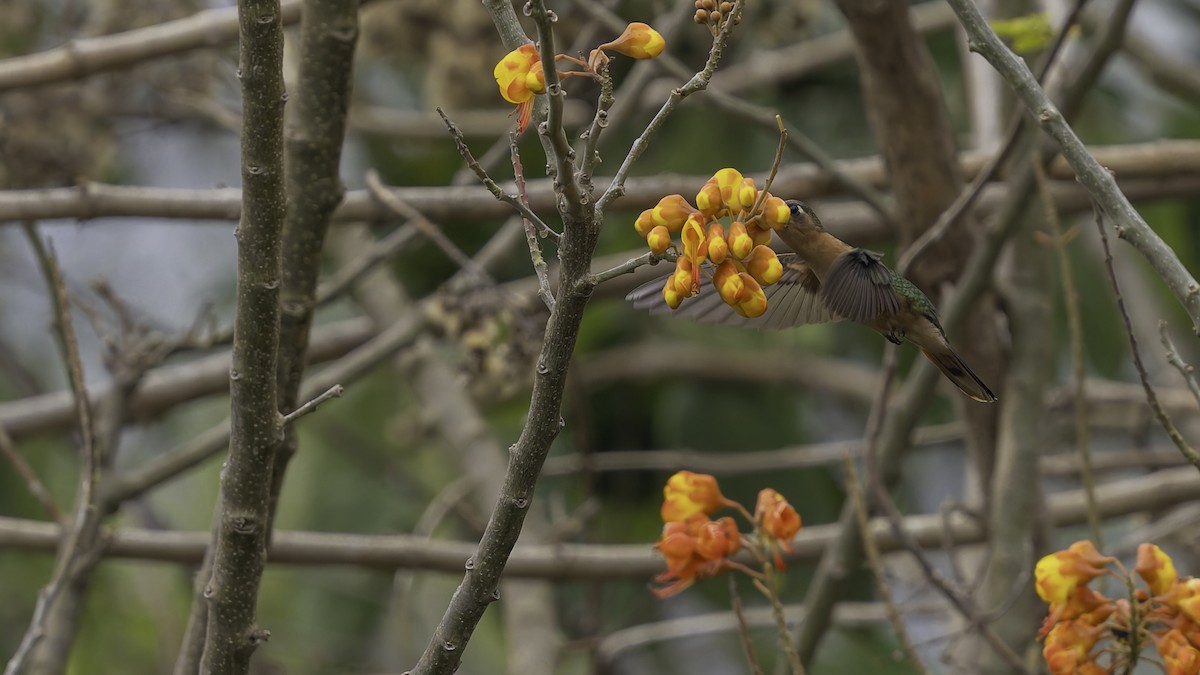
x=1098 y=181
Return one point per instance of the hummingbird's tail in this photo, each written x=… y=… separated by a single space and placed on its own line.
x=957 y=371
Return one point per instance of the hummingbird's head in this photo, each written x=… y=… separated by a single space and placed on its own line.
x=803 y=220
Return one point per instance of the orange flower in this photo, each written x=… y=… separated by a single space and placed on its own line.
x=747 y=194
x=639 y=41
x=1178 y=655
x=776 y=517
x=671 y=295
x=718 y=539
x=764 y=265
x=687 y=494
x=694 y=549
x=1156 y=569
x=1060 y=574
x=695 y=245
x=1068 y=645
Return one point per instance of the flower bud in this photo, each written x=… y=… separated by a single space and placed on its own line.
x=718 y=539
x=639 y=41
x=686 y=277
x=775 y=213
x=728 y=283
x=753 y=302
x=729 y=180
x=717 y=246
x=775 y=516
x=760 y=236
x=764 y=265
x=687 y=494
x=672 y=297
x=672 y=211
x=1155 y=568
x=659 y=239
x=747 y=194
x=708 y=200
x=644 y=223
x=739 y=240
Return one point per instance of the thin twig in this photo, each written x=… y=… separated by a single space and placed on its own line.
x=1151 y=397
x=1185 y=369
x=348 y=275
x=32 y=482
x=854 y=491
x=1099 y=183
x=74 y=550
x=1075 y=330
x=743 y=629
x=431 y=231
x=698 y=82
x=491 y=185
x=531 y=235
x=335 y=391
x=648 y=258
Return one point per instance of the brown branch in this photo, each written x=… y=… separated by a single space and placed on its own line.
x=1164 y=420
x=1185 y=369
x=87 y=56
x=34 y=484
x=1098 y=181
x=1161 y=163
x=167 y=387
x=243 y=515
x=564 y=561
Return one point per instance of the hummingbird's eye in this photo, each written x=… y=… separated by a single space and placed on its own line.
x=794 y=208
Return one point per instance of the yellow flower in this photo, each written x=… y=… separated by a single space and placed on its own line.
x=740 y=243
x=658 y=239
x=672 y=211
x=718 y=248
x=728 y=284
x=729 y=180
x=709 y=199
x=747 y=194
x=639 y=41
x=775 y=213
x=1060 y=574
x=753 y=302
x=764 y=265
x=671 y=295
x=1068 y=645
x=644 y=223
x=687 y=494
x=1156 y=569
x=519 y=74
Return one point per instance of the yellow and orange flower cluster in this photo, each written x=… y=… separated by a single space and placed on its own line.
x=742 y=260
x=1166 y=612
x=521 y=75
x=697 y=547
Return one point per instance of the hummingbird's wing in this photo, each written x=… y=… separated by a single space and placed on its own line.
x=794 y=300
x=859 y=287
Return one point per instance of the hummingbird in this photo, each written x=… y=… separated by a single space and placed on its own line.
x=827 y=280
